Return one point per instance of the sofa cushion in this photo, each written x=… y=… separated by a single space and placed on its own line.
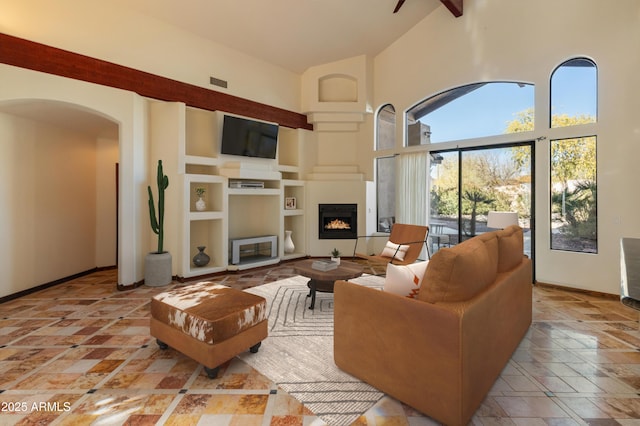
x=404 y=280
x=490 y=239
x=510 y=248
x=458 y=273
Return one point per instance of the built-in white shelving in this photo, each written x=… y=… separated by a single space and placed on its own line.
x=205 y=161
x=293 y=219
x=204 y=228
x=236 y=213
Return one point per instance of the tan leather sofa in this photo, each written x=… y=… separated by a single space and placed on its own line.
x=442 y=351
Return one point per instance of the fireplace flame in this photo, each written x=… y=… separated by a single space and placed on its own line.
x=337 y=224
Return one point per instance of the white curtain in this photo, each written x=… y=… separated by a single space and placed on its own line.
x=412 y=199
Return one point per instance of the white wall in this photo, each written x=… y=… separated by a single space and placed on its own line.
x=105 y=31
x=60 y=189
x=48 y=180
x=166 y=122
x=524 y=41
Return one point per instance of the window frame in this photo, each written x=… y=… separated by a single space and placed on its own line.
x=378 y=145
x=434 y=102
x=384 y=152
x=577 y=131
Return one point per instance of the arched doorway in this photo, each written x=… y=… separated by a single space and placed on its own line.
x=60 y=186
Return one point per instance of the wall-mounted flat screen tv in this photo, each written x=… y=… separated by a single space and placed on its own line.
x=249 y=138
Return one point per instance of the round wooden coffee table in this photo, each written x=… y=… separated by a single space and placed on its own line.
x=323 y=281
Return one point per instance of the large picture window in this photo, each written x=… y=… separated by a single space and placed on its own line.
x=486 y=109
x=466 y=184
x=471 y=111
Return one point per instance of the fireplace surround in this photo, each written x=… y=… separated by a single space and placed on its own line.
x=337 y=221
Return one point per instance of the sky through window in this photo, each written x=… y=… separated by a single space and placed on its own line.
x=487 y=110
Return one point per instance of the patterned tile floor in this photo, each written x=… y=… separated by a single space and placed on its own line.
x=80 y=353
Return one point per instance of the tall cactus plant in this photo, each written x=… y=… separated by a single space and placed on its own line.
x=157 y=223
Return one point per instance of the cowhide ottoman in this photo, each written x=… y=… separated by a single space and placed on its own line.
x=209 y=323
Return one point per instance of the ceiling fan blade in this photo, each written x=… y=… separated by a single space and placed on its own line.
x=398 y=6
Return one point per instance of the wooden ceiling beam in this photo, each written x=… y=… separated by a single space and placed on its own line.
x=454 y=6
x=39 y=57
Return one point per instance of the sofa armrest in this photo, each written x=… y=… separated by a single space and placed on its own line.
x=407 y=348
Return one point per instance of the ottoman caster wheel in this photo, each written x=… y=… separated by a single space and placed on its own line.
x=161 y=344
x=212 y=373
x=254 y=349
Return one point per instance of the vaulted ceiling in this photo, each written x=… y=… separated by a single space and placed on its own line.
x=294 y=34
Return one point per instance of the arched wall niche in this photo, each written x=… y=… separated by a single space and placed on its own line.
x=337 y=88
x=336 y=96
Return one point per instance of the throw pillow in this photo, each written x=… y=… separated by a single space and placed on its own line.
x=404 y=280
x=395 y=251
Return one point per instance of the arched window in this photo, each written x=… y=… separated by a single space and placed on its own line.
x=465 y=183
x=573 y=166
x=385 y=168
x=574 y=92
x=386 y=128
x=471 y=111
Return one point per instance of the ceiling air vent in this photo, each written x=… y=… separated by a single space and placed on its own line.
x=218 y=82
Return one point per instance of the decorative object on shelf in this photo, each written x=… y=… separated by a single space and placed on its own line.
x=246 y=184
x=335 y=255
x=288 y=243
x=290 y=203
x=200 y=204
x=157 y=265
x=201 y=258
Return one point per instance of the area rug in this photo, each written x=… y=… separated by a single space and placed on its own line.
x=298 y=354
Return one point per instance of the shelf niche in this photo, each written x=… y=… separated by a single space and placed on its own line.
x=235 y=213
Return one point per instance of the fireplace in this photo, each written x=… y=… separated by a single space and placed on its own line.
x=338 y=221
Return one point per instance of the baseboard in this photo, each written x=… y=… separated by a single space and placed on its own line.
x=579 y=290
x=53 y=283
x=127 y=287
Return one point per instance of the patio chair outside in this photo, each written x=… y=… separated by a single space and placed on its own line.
x=438 y=236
